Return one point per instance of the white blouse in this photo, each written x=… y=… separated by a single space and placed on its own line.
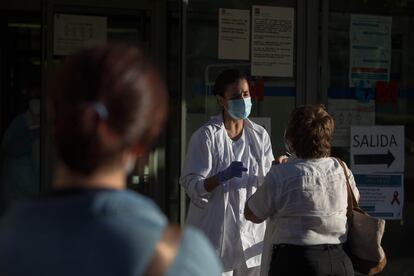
x=306 y=200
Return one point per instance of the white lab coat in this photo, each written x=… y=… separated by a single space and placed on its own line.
x=219 y=214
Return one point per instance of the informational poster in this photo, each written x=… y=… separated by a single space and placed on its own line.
x=377 y=162
x=72 y=32
x=265 y=122
x=377 y=149
x=272 y=41
x=348 y=112
x=382 y=195
x=370 y=53
x=234 y=34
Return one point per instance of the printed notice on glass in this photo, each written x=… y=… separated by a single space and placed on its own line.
x=377 y=149
x=234 y=34
x=272 y=41
x=370 y=53
x=72 y=32
x=349 y=112
x=381 y=195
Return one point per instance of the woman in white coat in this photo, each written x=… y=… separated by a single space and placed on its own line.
x=226 y=160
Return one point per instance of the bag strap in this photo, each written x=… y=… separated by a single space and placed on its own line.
x=165 y=251
x=352 y=202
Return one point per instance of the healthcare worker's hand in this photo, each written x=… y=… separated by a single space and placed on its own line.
x=281 y=160
x=235 y=169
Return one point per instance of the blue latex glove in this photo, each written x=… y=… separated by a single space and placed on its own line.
x=235 y=169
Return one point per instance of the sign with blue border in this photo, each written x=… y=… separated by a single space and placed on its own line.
x=381 y=195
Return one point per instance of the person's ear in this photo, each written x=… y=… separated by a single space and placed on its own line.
x=221 y=101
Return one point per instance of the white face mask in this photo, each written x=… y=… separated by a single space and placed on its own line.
x=130 y=165
x=34 y=106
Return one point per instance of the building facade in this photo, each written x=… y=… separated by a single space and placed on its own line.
x=355 y=57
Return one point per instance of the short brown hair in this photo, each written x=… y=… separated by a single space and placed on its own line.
x=122 y=81
x=309 y=131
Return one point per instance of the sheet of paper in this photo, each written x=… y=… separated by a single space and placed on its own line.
x=72 y=32
x=272 y=41
x=382 y=195
x=234 y=34
x=370 y=53
x=377 y=149
x=348 y=112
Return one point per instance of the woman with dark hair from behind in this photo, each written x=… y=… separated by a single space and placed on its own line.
x=106 y=106
x=306 y=200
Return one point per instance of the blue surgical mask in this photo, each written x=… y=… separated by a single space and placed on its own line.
x=240 y=109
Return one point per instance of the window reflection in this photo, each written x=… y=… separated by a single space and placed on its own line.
x=20 y=108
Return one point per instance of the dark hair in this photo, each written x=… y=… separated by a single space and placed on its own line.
x=309 y=131
x=225 y=78
x=118 y=79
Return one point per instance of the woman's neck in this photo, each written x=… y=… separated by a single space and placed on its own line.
x=233 y=127
x=103 y=178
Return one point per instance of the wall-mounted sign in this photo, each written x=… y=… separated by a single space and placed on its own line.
x=234 y=34
x=72 y=32
x=370 y=57
x=272 y=41
x=377 y=161
x=381 y=195
x=348 y=112
x=377 y=149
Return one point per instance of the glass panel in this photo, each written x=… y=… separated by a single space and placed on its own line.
x=203 y=66
x=134 y=29
x=395 y=108
x=20 y=79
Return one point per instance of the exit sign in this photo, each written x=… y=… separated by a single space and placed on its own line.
x=377 y=149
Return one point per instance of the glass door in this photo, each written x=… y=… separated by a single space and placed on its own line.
x=29 y=54
x=133 y=25
x=237 y=34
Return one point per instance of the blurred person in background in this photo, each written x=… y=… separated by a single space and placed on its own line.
x=106 y=106
x=19 y=153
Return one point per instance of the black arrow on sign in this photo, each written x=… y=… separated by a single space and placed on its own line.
x=374 y=159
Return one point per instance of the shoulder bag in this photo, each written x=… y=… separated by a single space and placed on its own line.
x=364 y=236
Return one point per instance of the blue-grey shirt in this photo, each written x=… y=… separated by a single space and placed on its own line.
x=94 y=232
